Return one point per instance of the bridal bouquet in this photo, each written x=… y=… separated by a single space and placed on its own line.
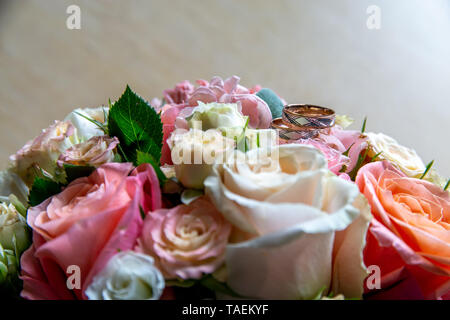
x=220 y=191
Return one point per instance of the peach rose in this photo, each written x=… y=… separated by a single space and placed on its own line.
x=85 y=225
x=409 y=238
x=186 y=241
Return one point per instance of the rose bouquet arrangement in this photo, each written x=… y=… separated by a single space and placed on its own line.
x=198 y=194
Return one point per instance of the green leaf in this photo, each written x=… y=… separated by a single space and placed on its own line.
x=363 y=129
x=348 y=150
x=273 y=101
x=74 y=172
x=137 y=126
x=100 y=125
x=376 y=156
x=241 y=141
x=427 y=169
x=43 y=189
x=180 y=283
x=358 y=165
x=446 y=185
x=141 y=211
x=143 y=157
x=213 y=284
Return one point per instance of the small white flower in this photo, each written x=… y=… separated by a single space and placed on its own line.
x=127 y=276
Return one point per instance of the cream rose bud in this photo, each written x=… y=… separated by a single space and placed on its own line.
x=93 y=152
x=216 y=115
x=85 y=129
x=127 y=276
x=299 y=229
x=194 y=152
x=13 y=225
x=43 y=151
x=406 y=159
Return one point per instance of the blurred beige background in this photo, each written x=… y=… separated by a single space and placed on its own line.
x=316 y=51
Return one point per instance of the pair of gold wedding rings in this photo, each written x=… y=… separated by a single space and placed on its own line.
x=303 y=121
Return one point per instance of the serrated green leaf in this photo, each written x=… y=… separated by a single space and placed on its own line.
x=43 y=189
x=74 y=172
x=143 y=157
x=137 y=126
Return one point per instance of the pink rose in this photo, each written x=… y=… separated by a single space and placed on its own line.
x=409 y=237
x=336 y=160
x=229 y=91
x=343 y=140
x=179 y=94
x=96 y=151
x=85 y=225
x=187 y=240
x=169 y=116
x=183 y=98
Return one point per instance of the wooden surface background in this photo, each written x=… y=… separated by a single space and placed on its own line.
x=317 y=52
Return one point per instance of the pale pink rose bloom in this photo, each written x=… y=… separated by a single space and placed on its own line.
x=229 y=91
x=335 y=158
x=179 y=94
x=43 y=151
x=93 y=152
x=85 y=225
x=183 y=98
x=186 y=241
x=341 y=140
x=169 y=116
x=254 y=107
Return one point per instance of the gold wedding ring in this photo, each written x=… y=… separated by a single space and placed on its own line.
x=287 y=132
x=303 y=121
x=308 y=116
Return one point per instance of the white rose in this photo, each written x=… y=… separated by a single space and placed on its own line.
x=12 y=224
x=407 y=160
x=194 y=152
x=299 y=230
x=85 y=129
x=127 y=276
x=216 y=115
